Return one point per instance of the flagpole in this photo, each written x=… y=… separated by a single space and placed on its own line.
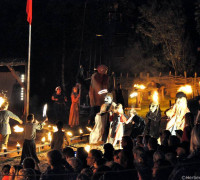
x=28 y=73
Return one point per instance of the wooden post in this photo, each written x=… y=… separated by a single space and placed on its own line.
x=185 y=75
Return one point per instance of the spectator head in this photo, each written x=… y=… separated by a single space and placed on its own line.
x=132 y=112
x=171 y=158
x=139 y=155
x=189 y=119
x=139 y=140
x=164 y=137
x=179 y=133
x=59 y=125
x=81 y=153
x=183 y=149
x=87 y=172
x=101 y=162
x=146 y=139
x=108 y=151
x=116 y=156
x=68 y=152
x=6 y=169
x=127 y=143
x=26 y=174
x=158 y=155
x=29 y=163
x=54 y=158
x=15 y=169
x=152 y=144
x=82 y=177
x=30 y=118
x=5 y=105
x=195 y=139
x=75 y=164
x=173 y=141
x=126 y=159
x=93 y=155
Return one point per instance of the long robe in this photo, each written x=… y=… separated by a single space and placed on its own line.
x=99 y=128
x=74 y=110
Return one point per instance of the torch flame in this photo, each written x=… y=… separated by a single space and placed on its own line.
x=69 y=133
x=18 y=145
x=87 y=148
x=134 y=94
x=80 y=131
x=155 y=97
x=55 y=129
x=18 y=129
x=49 y=136
x=89 y=129
x=2 y=100
x=45 y=110
x=43 y=139
x=187 y=89
x=139 y=86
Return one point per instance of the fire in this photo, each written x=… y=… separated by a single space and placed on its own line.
x=80 y=131
x=89 y=129
x=2 y=100
x=55 y=129
x=49 y=136
x=18 y=145
x=43 y=139
x=155 y=97
x=87 y=148
x=45 y=110
x=18 y=129
x=69 y=133
x=49 y=126
x=187 y=89
x=139 y=86
x=134 y=94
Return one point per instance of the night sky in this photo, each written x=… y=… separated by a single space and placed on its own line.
x=56 y=33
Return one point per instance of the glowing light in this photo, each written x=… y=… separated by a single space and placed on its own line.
x=69 y=133
x=187 y=89
x=49 y=126
x=18 y=145
x=55 y=129
x=2 y=100
x=155 y=97
x=80 y=131
x=103 y=91
x=87 y=148
x=139 y=86
x=49 y=136
x=18 y=129
x=22 y=89
x=89 y=129
x=134 y=94
x=45 y=110
x=43 y=140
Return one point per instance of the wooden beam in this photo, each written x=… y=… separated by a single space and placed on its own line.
x=16 y=76
x=12 y=64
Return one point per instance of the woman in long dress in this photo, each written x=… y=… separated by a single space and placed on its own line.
x=101 y=119
x=74 y=110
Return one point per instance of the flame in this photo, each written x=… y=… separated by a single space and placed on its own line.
x=2 y=100
x=134 y=94
x=18 y=145
x=49 y=136
x=103 y=91
x=49 y=126
x=155 y=97
x=80 y=131
x=139 y=86
x=45 y=110
x=89 y=129
x=187 y=89
x=69 y=133
x=55 y=129
x=18 y=129
x=87 y=148
x=43 y=139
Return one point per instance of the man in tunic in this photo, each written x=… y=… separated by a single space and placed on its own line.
x=5 y=129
